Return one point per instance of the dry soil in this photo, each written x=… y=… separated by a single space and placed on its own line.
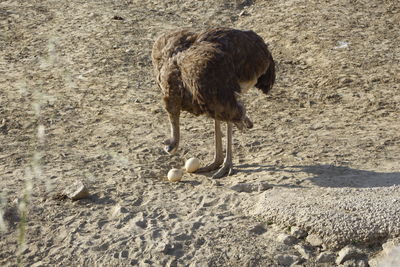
x=78 y=102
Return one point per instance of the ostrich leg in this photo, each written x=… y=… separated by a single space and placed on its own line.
x=227 y=166
x=171 y=145
x=218 y=157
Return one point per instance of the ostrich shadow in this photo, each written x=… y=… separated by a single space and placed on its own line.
x=331 y=175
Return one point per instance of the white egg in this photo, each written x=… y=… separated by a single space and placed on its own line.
x=192 y=164
x=175 y=175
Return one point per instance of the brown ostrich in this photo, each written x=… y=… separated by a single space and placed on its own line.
x=205 y=73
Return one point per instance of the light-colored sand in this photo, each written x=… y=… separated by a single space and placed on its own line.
x=78 y=102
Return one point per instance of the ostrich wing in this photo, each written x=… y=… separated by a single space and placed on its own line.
x=208 y=75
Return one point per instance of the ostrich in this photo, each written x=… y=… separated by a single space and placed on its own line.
x=205 y=73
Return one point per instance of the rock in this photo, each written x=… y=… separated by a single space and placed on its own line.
x=349 y=253
x=77 y=190
x=297 y=232
x=286 y=260
x=326 y=257
x=287 y=239
x=304 y=252
x=314 y=240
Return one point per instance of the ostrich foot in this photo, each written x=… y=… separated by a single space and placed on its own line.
x=211 y=167
x=225 y=170
x=171 y=146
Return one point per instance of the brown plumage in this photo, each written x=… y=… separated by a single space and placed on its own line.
x=204 y=73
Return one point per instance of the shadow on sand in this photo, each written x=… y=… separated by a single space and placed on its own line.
x=332 y=176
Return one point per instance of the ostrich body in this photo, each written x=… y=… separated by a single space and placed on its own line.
x=205 y=73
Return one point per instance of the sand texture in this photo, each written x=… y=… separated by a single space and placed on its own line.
x=316 y=182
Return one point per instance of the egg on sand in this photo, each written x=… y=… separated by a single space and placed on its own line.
x=192 y=164
x=175 y=175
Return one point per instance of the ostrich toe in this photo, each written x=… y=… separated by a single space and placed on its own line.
x=211 y=167
x=225 y=170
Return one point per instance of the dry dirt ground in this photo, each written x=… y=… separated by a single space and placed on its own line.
x=78 y=101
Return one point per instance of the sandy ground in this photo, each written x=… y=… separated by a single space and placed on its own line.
x=78 y=102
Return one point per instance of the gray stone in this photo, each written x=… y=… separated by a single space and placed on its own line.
x=77 y=190
x=349 y=253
